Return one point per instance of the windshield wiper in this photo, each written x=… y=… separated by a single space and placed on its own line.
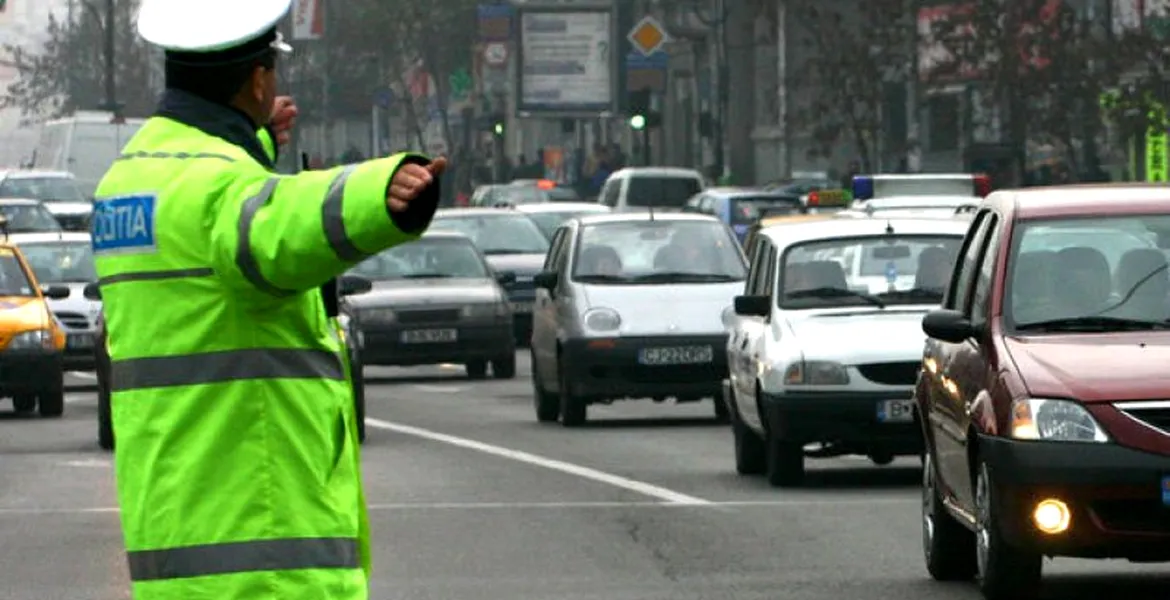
x=684 y=277
x=429 y=276
x=833 y=292
x=1093 y=323
x=601 y=279
x=913 y=294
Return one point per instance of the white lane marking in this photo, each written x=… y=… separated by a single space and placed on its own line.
x=83 y=375
x=80 y=399
x=438 y=389
x=88 y=462
x=777 y=504
x=640 y=487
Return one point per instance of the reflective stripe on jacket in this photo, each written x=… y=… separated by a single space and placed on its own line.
x=237 y=465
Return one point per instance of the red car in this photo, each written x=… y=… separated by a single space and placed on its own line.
x=1044 y=393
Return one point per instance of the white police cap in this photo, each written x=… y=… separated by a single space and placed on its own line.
x=197 y=26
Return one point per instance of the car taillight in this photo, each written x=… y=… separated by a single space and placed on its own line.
x=982 y=186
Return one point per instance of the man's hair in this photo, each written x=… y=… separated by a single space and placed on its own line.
x=217 y=83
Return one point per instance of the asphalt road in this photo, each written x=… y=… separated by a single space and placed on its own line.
x=472 y=499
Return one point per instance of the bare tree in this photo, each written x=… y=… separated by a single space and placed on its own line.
x=68 y=72
x=855 y=48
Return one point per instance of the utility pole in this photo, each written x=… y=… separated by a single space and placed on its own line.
x=111 y=100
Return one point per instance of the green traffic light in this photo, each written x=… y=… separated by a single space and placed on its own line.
x=637 y=122
x=499 y=129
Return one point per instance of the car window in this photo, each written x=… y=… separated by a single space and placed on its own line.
x=749 y=209
x=657 y=251
x=45 y=189
x=562 y=194
x=1070 y=269
x=425 y=259
x=549 y=221
x=29 y=218
x=61 y=262
x=611 y=193
x=503 y=233
x=661 y=191
x=556 y=249
x=980 y=300
x=825 y=273
x=515 y=195
x=759 y=264
x=13 y=280
x=963 y=275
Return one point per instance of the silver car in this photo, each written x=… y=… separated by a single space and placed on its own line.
x=435 y=301
x=58 y=190
x=629 y=306
x=549 y=215
x=67 y=259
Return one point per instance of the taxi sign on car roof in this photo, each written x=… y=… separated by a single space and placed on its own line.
x=828 y=198
x=869 y=187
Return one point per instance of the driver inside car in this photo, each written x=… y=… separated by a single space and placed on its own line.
x=599 y=260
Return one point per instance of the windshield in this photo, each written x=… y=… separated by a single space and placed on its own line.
x=1085 y=271
x=425 y=259
x=875 y=270
x=503 y=233
x=29 y=218
x=13 y=280
x=645 y=252
x=749 y=209
x=61 y=262
x=563 y=194
x=516 y=194
x=549 y=221
x=45 y=189
x=661 y=191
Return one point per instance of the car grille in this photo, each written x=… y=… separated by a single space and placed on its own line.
x=1157 y=415
x=74 y=222
x=73 y=320
x=894 y=373
x=1145 y=516
x=424 y=316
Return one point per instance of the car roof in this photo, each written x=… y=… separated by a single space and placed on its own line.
x=1086 y=200
x=37 y=174
x=786 y=234
x=656 y=172
x=43 y=237
x=638 y=217
x=19 y=201
x=547 y=207
x=473 y=211
x=929 y=201
x=740 y=192
x=444 y=234
x=798 y=218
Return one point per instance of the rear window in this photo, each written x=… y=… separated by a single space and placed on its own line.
x=748 y=210
x=661 y=191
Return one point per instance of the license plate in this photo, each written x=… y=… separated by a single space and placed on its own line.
x=427 y=336
x=679 y=355
x=895 y=411
x=80 y=341
x=1166 y=490
x=521 y=307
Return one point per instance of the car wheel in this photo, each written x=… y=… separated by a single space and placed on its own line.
x=477 y=369
x=574 y=410
x=51 y=402
x=881 y=459
x=105 y=419
x=504 y=367
x=750 y=458
x=548 y=407
x=947 y=546
x=1003 y=572
x=785 y=462
x=24 y=403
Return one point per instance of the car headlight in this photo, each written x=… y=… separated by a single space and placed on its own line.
x=41 y=339
x=379 y=315
x=485 y=311
x=816 y=372
x=602 y=319
x=1054 y=421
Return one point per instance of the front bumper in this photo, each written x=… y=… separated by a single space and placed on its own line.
x=522 y=302
x=29 y=372
x=600 y=369
x=1117 y=496
x=384 y=345
x=79 y=351
x=847 y=420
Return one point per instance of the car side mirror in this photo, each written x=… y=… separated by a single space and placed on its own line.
x=948 y=325
x=55 y=292
x=352 y=285
x=92 y=291
x=506 y=277
x=753 y=306
x=546 y=280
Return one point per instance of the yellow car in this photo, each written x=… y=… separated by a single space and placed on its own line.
x=32 y=342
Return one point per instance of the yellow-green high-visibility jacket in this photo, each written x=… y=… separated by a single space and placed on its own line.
x=237 y=462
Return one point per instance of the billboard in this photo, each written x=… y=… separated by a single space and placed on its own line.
x=567 y=63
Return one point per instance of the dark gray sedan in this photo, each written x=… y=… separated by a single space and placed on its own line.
x=435 y=301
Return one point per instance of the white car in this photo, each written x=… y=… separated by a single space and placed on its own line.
x=550 y=215
x=825 y=343
x=67 y=259
x=58 y=190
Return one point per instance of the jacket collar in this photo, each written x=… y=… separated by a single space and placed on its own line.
x=217 y=120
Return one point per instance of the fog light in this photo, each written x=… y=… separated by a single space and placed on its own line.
x=1051 y=516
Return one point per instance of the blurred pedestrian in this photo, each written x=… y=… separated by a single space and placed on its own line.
x=237 y=461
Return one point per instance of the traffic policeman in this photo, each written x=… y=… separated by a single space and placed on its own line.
x=237 y=463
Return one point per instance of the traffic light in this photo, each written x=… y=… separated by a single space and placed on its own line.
x=642 y=112
x=498 y=127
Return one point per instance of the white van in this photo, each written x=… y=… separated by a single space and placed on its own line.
x=86 y=144
x=642 y=188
